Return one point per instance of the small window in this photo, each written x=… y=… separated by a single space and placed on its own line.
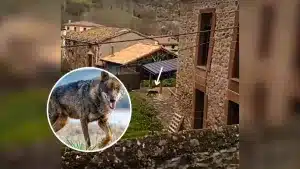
x=199 y=109
x=266 y=25
x=173 y=46
x=206 y=21
x=84 y=29
x=236 y=66
x=75 y=28
x=233 y=113
x=68 y=28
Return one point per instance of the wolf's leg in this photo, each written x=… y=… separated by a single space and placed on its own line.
x=60 y=122
x=103 y=124
x=85 y=130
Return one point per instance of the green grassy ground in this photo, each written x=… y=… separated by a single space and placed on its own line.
x=23 y=118
x=143 y=118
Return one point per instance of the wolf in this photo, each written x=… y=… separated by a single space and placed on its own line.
x=152 y=92
x=86 y=100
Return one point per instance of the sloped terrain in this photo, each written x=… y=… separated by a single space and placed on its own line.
x=187 y=149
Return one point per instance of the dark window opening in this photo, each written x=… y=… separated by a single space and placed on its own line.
x=90 y=60
x=75 y=28
x=295 y=107
x=173 y=46
x=233 y=113
x=199 y=109
x=68 y=28
x=297 y=56
x=236 y=72
x=260 y=100
x=84 y=29
x=266 y=25
x=204 y=38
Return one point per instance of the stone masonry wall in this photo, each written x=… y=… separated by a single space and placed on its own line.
x=187 y=149
x=76 y=57
x=217 y=78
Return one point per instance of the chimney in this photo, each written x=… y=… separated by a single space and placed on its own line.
x=112 y=51
x=69 y=21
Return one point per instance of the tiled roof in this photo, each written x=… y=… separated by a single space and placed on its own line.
x=82 y=23
x=132 y=53
x=168 y=66
x=95 y=35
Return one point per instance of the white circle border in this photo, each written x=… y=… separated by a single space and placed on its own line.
x=61 y=140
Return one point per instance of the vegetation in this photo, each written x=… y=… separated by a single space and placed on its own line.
x=170 y=82
x=143 y=118
x=23 y=118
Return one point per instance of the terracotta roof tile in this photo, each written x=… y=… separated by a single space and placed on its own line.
x=95 y=35
x=132 y=53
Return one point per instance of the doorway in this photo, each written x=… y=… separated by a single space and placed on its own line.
x=199 y=109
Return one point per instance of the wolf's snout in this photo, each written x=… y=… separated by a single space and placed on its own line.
x=112 y=103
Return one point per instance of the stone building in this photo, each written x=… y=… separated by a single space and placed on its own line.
x=208 y=71
x=82 y=53
x=79 y=26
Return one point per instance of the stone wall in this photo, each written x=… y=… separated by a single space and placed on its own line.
x=76 y=57
x=195 y=148
x=217 y=78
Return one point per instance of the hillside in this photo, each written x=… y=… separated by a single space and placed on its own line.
x=150 y=17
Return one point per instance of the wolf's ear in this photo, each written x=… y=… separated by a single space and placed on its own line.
x=104 y=76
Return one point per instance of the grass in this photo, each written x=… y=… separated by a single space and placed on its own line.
x=23 y=118
x=170 y=82
x=24 y=121
x=76 y=144
x=143 y=118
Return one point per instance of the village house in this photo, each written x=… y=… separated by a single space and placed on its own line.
x=168 y=43
x=208 y=64
x=133 y=57
x=87 y=47
x=79 y=26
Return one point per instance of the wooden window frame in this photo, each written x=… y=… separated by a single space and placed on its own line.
x=227 y=110
x=211 y=41
x=202 y=89
x=233 y=48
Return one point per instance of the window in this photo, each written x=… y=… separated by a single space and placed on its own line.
x=236 y=73
x=68 y=28
x=233 y=113
x=173 y=46
x=74 y=28
x=84 y=29
x=90 y=60
x=206 y=26
x=199 y=109
x=267 y=21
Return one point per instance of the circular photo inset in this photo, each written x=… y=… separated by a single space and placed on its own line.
x=89 y=109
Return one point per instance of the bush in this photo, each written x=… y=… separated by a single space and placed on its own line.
x=171 y=82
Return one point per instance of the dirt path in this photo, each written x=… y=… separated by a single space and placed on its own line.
x=164 y=103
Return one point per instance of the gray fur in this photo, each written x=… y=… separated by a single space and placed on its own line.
x=87 y=100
